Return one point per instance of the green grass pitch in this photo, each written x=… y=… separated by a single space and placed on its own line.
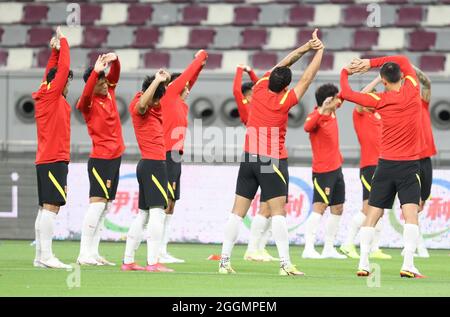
x=199 y=277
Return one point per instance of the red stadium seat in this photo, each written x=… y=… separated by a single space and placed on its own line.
x=3 y=58
x=194 y=15
x=34 y=14
x=90 y=13
x=39 y=36
x=146 y=37
x=301 y=15
x=214 y=61
x=420 y=40
x=253 y=38
x=94 y=36
x=139 y=14
x=42 y=57
x=305 y=35
x=156 y=60
x=264 y=60
x=201 y=38
x=409 y=16
x=327 y=61
x=432 y=63
x=365 y=39
x=355 y=15
x=246 y=15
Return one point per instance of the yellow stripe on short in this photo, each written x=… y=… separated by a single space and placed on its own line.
x=100 y=181
x=321 y=192
x=171 y=190
x=365 y=183
x=412 y=80
x=374 y=96
x=161 y=189
x=284 y=97
x=57 y=185
x=418 y=178
x=279 y=173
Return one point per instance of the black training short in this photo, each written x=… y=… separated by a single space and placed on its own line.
x=329 y=187
x=153 y=184
x=52 y=183
x=260 y=171
x=426 y=178
x=366 y=175
x=392 y=177
x=103 y=177
x=173 y=162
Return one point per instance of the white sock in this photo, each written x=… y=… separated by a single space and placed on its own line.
x=90 y=223
x=46 y=228
x=98 y=232
x=421 y=241
x=376 y=236
x=366 y=234
x=311 y=228
x=155 y=230
x=231 y=234
x=331 y=228
x=410 y=238
x=134 y=235
x=256 y=231
x=267 y=232
x=166 y=236
x=355 y=224
x=37 y=233
x=281 y=237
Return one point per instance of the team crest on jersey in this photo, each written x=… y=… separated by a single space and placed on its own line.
x=108 y=183
x=327 y=191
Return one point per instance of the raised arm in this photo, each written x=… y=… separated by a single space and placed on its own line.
x=84 y=103
x=114 y=72
x=425 y=83
x=371 y=86
x=59 y=82
x=144 y=101
x=252 y=75
x=238 y=96
x=309 y=74
x=312 y=121
x=363 y=99
x=177 y=86
x=53 y=59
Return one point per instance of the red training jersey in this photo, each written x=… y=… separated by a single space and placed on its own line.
x=148 y=128
x=324 y=136
x=174 y=108
x=267 y=122
x=241 y=101
x=400 y=111
x=101 y=116
x=52 y=111
x=429 y=146
x=368 y=130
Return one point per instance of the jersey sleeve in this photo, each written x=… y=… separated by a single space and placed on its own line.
x=84 y=103
x=366 y=100
x=57 y=85
x=177 y=86
x=241 y=101
x=312 y=121
x=52 y=62
x=289 y=99
x=114 y=74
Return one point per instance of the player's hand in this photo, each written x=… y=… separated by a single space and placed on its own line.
x=201 y=52
x=315 y=43
x=359 y=65
x=110 y=57
x=349 y=69
x=100 y=65
x=59 y=33
x=54 y=43
x=162 y=76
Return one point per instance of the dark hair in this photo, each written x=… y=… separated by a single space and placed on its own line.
x=160 y=90
x=280 y=78
x=325 y=91
x=52 y=73
x=174 y=76
x=391 y=72
x=88 y=72
x=246 y=87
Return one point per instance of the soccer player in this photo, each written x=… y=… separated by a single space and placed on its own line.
x=52 y=113
x=151 y=171
x=398 y=167
x=175 y=114
x=328 y=180
x=426 y=168
x=99 y=109
x=367 y=124
x=260 y=227
x=265 y=159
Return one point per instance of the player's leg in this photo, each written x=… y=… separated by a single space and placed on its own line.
x=156 y=196
x=53 y=178
x=321 y=201
x=426 y=180
x=246 y=187
x=266 y=233
x=37 y=234
x=258 y=227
